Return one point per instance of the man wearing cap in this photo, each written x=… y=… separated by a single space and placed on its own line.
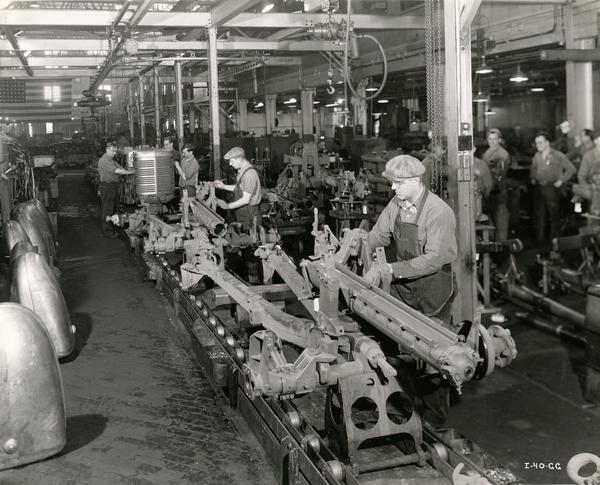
x=423 y=228
x=498 y=161
x=246 y=191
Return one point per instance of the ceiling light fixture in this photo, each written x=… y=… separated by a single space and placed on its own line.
x=383 y=101
x=483 y=68
x=267 y=7
x=331 y=105
x=371 y=90
x=537 y=90
x=290 y=101
x=519 y=76
x=480 y=98
x=260 y=104
x=316 y=102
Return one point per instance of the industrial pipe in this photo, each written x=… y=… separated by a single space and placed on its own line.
x=542 y=302
x=552 y=328
x=209 y=218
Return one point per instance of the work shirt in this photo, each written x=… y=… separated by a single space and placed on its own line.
x=498 y=161
x=106 y=169
x=555 y=166
x=190 y=169
x=482 y=176
x=436 y=229
x=250 y=183
x=590 y=166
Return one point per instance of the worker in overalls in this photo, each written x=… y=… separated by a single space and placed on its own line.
x=423 y=229
x=246 y=191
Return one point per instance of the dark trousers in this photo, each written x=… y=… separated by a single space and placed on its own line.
x=498 y=201
x=5 y=199
x=109 y=195
x=546 y=208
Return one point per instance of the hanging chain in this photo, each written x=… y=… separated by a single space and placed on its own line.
x=435 y=92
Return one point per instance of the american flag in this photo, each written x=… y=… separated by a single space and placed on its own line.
x=36 y=99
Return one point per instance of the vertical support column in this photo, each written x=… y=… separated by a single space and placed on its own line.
x=481 y=121
x=571 y=77
x=584 y=78
x=141 y=108
x=242 y=118
x=178 y=104
x=130 y=111
x=306 y=105
x=213 y=99
x=459 y=119
x=270 y=112
x=359 y=106
x=157 y=126
x=192 y=118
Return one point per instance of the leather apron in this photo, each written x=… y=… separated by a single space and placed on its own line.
x=245 y=215
x=427 y=294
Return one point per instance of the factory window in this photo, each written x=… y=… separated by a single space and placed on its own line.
x=49 y=127
x=52 y=93
x=106 y=89
x=30 y=129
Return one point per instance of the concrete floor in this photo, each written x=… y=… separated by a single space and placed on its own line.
x=139 y=410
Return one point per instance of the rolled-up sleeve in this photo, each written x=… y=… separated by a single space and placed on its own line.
x=381 y=234
x=439 y=248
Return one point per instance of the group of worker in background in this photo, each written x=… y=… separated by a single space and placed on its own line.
x=552 y=169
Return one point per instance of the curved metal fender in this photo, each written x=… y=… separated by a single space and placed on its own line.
x=13 y=232
x=36 y=224
x=34 y=285
x=32 y=405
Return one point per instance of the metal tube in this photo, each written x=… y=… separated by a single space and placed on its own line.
x=141 y=110
x=209 y=218
x=213 y=100
x=157 y=106
x=551 y=328
x=178 y=104
x=538 y=300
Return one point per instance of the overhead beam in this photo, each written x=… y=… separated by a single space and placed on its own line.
x=242 y=45
x=46 y=73
x=228 y=9
x=574 y=55
x=53 y=61
x=100 y=19
x=15 y=45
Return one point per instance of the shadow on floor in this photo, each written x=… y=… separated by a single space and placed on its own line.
x=82 y=430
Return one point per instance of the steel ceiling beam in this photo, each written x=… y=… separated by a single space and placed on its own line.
x=574 y=55
x=53 y=61
x=100 y=19
x=15 y=45
x=228 y=9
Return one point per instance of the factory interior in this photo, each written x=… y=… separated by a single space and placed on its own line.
x=322 y=242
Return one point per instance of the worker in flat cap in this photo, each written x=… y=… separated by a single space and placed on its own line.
x=246 y=191
x=423 y=228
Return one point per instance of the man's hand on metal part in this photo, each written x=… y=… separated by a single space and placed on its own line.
x=222 y=204
x=373 y=276
x=219 y=184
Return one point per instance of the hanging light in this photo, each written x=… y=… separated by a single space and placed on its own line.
x=519 y=76
x=267 y=7
x=483 y=67
x=480 y=98
x=537 y=90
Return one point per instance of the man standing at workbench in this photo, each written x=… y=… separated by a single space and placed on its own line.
x=423 y=227
x=246 y=191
